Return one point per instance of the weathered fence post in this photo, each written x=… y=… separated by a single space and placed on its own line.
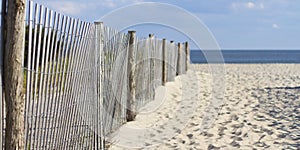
x=179 y=61
x=13 y=74
x=152 y=69
x=164 y=64
x=172 y=63
x=187 y=53
x=131 y=103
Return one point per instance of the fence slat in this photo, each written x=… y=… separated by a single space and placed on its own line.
x=2 y=116
x=29 y=71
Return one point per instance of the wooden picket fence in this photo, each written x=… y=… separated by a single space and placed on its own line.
x=84 y=80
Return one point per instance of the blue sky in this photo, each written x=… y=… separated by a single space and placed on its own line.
x=236 y=24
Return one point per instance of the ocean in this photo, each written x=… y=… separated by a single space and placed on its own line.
x=247 y=56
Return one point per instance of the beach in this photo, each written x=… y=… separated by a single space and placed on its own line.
x=244 y=106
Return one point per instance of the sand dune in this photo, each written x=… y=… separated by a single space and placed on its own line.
x=252 y=106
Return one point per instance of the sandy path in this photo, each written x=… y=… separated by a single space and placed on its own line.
x=260 y=110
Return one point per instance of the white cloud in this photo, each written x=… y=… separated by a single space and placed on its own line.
x=250 y=5
x=275 y=26
x=247 y=5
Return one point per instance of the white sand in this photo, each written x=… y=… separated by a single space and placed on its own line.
x=260 y=108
